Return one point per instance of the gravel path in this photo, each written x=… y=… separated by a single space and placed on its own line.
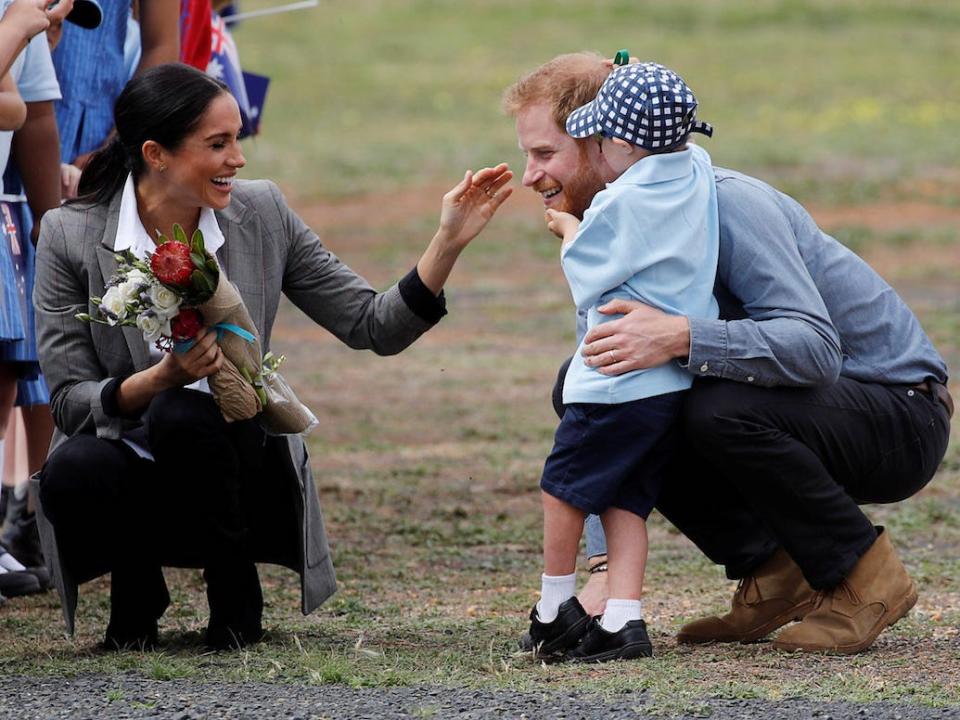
x=100 y=697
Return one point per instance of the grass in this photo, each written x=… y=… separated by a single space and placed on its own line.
x=427 y=462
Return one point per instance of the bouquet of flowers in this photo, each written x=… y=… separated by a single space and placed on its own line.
x=176 y=292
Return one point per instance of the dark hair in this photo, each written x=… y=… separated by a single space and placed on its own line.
x=164 y=104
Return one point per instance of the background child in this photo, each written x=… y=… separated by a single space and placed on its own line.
x=651 y=236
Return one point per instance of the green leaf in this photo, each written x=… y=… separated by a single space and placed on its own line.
x=213 y=267
x=178 y=234
x=161 y=238
x=196 y=242
x=201 y=282
x=199 y=261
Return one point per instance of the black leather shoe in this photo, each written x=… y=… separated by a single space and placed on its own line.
x=563 y=633
x=20 y=534
x=14 y=584
x=599 y=645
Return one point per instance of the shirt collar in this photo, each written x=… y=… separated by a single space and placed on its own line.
x=662 y=167
x=131 y=235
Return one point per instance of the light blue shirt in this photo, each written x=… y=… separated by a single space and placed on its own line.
x=652 y=235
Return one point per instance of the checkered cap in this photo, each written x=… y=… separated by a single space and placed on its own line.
x=645 y=104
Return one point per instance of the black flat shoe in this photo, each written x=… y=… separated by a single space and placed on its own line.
x=119 y=639
x=563 y=633
x=222 y=637
x=599 y=645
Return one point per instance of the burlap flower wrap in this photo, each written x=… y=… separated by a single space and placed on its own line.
x=245 y=384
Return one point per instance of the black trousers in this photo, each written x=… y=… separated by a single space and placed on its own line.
x=116 y=512
x=762 y=468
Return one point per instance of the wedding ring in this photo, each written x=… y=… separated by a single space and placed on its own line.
x=613 y=357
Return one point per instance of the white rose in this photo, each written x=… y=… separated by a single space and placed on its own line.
x=165 y=302
x=113 y=306
x=139 y=277
x=153 y=326
x=130 y=290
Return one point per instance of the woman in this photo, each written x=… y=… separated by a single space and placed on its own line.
x=143 y=470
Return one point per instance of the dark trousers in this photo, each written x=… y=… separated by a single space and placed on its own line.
x=760 y=468
x=788 y=467
x=116 y=512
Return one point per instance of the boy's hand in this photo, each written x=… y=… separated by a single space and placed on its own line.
x=562 y=224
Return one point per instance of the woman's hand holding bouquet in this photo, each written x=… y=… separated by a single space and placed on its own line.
x=181 y=301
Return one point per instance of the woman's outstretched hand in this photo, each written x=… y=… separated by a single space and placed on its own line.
x=466 y=210
x=468 y=207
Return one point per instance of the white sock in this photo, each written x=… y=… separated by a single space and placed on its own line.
x=619 y=612
x=554 y=590
x=9 y=562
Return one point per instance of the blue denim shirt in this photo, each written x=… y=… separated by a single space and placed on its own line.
x=797 y=307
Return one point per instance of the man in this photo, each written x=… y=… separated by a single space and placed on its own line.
x=816 y=390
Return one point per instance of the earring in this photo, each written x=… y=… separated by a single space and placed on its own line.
x=163 y=168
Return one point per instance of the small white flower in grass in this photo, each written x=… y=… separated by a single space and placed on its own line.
x=113 y=306
x=165 y=302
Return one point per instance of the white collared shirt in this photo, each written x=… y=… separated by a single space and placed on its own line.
x=131 y=235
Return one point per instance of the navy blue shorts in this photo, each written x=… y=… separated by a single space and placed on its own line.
x=613 y=455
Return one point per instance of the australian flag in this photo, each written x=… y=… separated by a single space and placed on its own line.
x=249 y=89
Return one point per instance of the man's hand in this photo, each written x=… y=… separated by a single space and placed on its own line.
x=562 y=224
x=643 y=338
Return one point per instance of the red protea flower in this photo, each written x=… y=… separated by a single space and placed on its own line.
x=172 y=265
x=186 y=324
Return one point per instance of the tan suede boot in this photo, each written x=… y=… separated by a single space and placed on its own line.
x=848 y=618
x=774 y=595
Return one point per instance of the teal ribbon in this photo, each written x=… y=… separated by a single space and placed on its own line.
x=183 y=345
x=235 y=329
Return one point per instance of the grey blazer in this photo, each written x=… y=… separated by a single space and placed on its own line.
x=268 y=250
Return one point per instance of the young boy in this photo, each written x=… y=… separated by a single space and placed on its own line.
x=651 y=236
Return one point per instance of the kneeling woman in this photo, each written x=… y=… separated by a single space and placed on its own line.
x=143 y=470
